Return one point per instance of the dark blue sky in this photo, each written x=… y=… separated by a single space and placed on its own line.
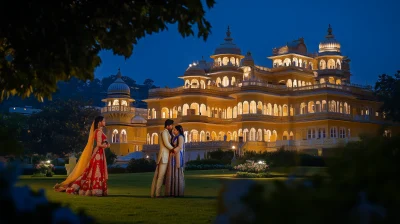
x=369 y=33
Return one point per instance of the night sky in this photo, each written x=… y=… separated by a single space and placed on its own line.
x=369 y=33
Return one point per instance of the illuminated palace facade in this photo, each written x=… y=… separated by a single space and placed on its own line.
x=305 y=101
x=126 y=125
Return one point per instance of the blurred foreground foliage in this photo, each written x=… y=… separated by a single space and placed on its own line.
x=362 y=187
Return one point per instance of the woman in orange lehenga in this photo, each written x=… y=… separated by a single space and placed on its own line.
x=89 y=177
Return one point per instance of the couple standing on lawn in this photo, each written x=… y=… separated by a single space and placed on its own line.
x=170 y=162
x=90 y=175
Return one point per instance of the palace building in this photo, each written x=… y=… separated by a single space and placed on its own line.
x=126 y=125
x=306 y=101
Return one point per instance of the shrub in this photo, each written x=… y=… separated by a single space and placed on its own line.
x=207 y=167
x=285 y=158
x=24 y=204
x=252 y=175
x=311 y=160
x=110 y=156
x=60 y=171
x=141 y=165
x=362 y=187
x=206 y=164
x=252 y=167
x=44 y=169
x=224 y=156
x=117 y=170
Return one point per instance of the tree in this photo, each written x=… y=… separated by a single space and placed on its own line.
x=148 y=83
x=12 y=131
x=111 y=157
x=62 y=126
x=42 y=43
x=387 y=89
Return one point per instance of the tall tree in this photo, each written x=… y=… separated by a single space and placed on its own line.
x=387 y=89
x=148 y=82
x=12 y=132
x=62 y=126
x=45 y=42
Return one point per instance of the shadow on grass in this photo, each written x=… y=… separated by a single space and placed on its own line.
x=145 y=196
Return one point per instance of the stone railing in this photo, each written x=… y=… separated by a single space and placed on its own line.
x=117 y=109
x=262 y=68
x=262 y=87
x=279 y=68
x=260 y=145
x=324 y=115
x=323 y=142
x=211 y=145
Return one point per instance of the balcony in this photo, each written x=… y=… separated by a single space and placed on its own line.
x=323 y=116
x=318 y=116
x=110 y=109
x=263 y=117
x=211 y=145
x=313 y=143
x=336 y=72
x=261 y=87
x=260 y=146
x=190 y=118
x=283 y=68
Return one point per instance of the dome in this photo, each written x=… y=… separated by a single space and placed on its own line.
x=330 y=44
x=197 y=69
x=228 y=47
x=119 y=87
x=138 y=120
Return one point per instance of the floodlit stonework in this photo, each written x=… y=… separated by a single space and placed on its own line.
x=306 y=101
x=126 y=125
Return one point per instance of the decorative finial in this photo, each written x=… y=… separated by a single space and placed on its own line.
x=119 y=75
x=228 y=32
x=330 y=30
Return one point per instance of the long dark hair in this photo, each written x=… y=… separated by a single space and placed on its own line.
x=97 y=120
x=180 y=129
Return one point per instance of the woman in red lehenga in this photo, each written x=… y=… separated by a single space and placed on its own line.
x=90 y=175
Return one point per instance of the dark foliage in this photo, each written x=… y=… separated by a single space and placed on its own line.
x=141 y=165
x=42 y=43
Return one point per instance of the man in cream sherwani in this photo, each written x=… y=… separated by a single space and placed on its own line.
x=162 y=159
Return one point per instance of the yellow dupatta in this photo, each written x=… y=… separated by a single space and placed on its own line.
x=83 y=162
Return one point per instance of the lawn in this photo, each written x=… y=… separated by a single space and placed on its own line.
x=129 y=201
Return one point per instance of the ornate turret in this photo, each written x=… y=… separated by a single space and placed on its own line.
x=227 y=53
x=119 y=88
x=195 y=75
x=197 y=68
x=330 y=45
x=125 y=130
x=228 y=47
x=330 y=61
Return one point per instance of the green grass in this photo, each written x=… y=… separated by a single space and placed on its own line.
x=129 y=200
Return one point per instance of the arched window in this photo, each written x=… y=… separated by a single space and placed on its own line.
x=124 y=136
x=115 y=136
